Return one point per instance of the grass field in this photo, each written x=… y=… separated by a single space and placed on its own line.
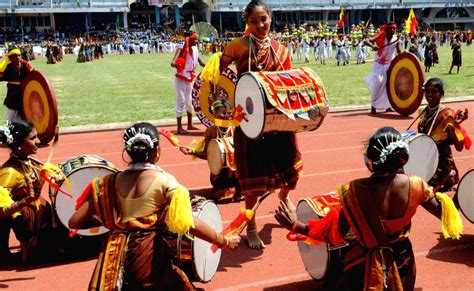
x=140 y=87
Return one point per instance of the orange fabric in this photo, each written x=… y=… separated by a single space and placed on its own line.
x=374 y=235
x=381 y=36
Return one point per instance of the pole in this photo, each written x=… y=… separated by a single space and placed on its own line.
x=220 y=23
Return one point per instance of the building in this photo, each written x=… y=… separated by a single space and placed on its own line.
x=62 y=14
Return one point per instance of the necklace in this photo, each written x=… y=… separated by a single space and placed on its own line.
x=260 y=51
x=428 y=117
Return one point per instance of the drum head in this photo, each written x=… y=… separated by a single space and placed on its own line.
x=78 y=179
x=203 y=95
x=39 y=105
x=423 y=160
x=215 y=156
x=206 y=261
x=465 y=194
x=315 y=257
x=405 y=80
x=250 y=96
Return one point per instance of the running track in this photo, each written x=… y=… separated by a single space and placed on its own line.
x=332 y=155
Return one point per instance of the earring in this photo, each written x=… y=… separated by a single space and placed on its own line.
x=19 y=148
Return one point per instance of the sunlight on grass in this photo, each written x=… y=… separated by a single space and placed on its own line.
x=140 y=87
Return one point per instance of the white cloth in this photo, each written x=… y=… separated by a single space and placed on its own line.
x=12 y=115
x=183 y=96
x=377 y=80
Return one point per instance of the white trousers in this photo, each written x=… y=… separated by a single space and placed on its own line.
x=183 y=96
x=376 y=82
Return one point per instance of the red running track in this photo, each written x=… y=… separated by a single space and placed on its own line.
x=332 y=155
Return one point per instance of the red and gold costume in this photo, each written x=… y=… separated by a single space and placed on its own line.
x=379 y=255
x=30 y=223
x=274 y=160
x=446 y=175
x=14 y=76
x=136 y=255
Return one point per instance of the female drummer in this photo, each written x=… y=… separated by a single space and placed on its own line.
x=273 y=161
x=443 y=125
x=138 y=205
x=376 y=219
x=21 y=206
x=225 y=184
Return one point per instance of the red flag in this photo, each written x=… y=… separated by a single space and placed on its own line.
x=170 y=137
x=341 y=18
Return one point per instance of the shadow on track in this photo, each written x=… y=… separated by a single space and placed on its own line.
x=454 y=251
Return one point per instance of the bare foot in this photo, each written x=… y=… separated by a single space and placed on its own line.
x=181 y=131
x=254 y=240
x=192 y=127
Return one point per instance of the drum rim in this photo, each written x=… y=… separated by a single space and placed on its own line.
x=311 y=203
x=457 y=190
x=260 y=87
x=193 y=261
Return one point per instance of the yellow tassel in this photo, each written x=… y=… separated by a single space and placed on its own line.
x=180 y=215
x=211 y=72
x=198 y=146
x=451 y=223
x=55 y=172
x=6 y=200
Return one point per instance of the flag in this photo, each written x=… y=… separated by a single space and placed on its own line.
x=341 y=18
x=411 y=23
x=117 y=24
x=170 y=137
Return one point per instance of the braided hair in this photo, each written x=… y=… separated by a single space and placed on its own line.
x=139 y=140
x=14 y=133
x=387 y=150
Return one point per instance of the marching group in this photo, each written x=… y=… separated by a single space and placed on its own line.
x=142 y=202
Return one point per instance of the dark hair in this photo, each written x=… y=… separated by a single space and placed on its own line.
x=15 y=132
x=139 y=140
x=379 y=141
x=250 y=8
x=435 y=82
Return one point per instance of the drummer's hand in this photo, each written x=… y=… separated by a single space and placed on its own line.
x=186 y=150
x=285 y=216
x=234 y=241
x=375 y=47
x=461 y=116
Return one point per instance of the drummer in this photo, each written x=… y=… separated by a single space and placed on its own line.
x=138 y=205
x=21 y=206
x=13 y=70
x=226 y=186
x=273 y=161
x=443 y=125
x=376 y=219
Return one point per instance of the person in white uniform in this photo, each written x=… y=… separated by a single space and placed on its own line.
x=387 y=46
x=185 y=61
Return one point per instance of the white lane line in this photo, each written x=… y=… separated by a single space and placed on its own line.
x=300 y=276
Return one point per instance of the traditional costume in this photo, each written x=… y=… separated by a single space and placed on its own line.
x=14 y=101
x=274 y=160
x=379 y=255
x=377 y=80
x=136 y=255
x=30 y=223
x=435 y=122
x=186 y=63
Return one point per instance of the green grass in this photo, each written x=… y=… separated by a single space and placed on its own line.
x=140 y=87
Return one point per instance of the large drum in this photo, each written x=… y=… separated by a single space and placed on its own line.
x=465 y=195
x=80 y=171
x=39 y=105
x=293 y=101
x=323 y=262
x=405 y=80
x=424 y=156
x=220 y=154
x=194 y=255
x=203 y=95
